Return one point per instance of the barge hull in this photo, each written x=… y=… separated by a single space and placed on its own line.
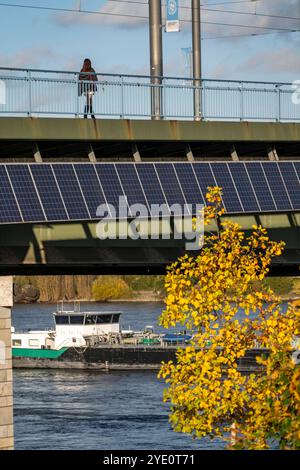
x=21 y=363
x=117 y=358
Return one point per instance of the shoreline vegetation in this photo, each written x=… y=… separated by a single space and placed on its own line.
x=49 y=289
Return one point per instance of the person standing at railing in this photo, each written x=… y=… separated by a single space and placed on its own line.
x=87 y=86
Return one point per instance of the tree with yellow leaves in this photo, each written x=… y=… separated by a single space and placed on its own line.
x=208 y=393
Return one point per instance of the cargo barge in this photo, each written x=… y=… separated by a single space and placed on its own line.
x=95 y=340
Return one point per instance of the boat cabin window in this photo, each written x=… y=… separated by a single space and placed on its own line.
x=62 y=319
x=104 y=319
x=87 y=319
x=34 y=342
x=76 y=319
x=17 y=342
x=97 y=319
x=91 y=319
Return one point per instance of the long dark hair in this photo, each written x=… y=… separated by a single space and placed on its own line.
x=87 y=65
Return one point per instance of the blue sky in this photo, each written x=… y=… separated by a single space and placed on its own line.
x=57 y=40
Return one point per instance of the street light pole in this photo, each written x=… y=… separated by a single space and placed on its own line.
x=197 y=72
x=156 y=58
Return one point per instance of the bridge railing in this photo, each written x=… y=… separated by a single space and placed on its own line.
x=58 y=93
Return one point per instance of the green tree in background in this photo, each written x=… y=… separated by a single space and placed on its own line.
x=147 y=283
x=110 y=287
x=280 y=285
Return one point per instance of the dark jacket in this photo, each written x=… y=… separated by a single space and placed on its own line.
x=86 y=80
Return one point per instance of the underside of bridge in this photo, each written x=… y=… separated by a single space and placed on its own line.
x=74 y=248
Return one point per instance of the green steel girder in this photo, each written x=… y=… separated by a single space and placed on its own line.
x=75 y=248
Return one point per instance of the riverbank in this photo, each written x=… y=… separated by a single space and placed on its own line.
x=141 y=296
x=47 y=289
x=137 y=297
x=30 y=289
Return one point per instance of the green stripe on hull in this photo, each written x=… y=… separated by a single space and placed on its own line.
x=38 y=353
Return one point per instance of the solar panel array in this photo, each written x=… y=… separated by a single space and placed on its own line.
x=63 y=191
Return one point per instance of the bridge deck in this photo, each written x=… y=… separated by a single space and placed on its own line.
x=111 y=139
x=20 y=128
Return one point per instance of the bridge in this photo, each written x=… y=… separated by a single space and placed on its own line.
x=57 y=168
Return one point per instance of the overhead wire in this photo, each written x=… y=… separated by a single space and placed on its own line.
x=217 y=10
x=215 y=23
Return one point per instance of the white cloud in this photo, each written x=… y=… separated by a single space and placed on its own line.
x=109 y=15
x=30 y=57
x=284 y=59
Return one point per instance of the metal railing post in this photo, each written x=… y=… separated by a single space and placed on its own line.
x=241 y=102
x=278 y=103
x=162 y=97
x=156 y=99
x=77 y=94
x=203 y=110
x=29 y=93
x=122 y=97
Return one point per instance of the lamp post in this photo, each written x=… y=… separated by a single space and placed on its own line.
x=156 y=59
x=196 y=32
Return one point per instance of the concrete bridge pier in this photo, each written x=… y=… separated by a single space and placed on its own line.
x=6 y=387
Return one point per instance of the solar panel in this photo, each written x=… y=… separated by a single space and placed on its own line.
x=260 y=186
x=224 y=180
x=189 y=184
x=171 y=187
x=131 y=185
x=71 y=191
x=111 y=185
x=56 y=192
x=91 y=188
x=48 y=191
x=243 y=186
x=25 y=193
x=292 y=185
x=151 y=186
x=9 y=211
x=204 y=176
x=275 y=182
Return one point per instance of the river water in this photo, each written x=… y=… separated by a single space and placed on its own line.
x=89 y=409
